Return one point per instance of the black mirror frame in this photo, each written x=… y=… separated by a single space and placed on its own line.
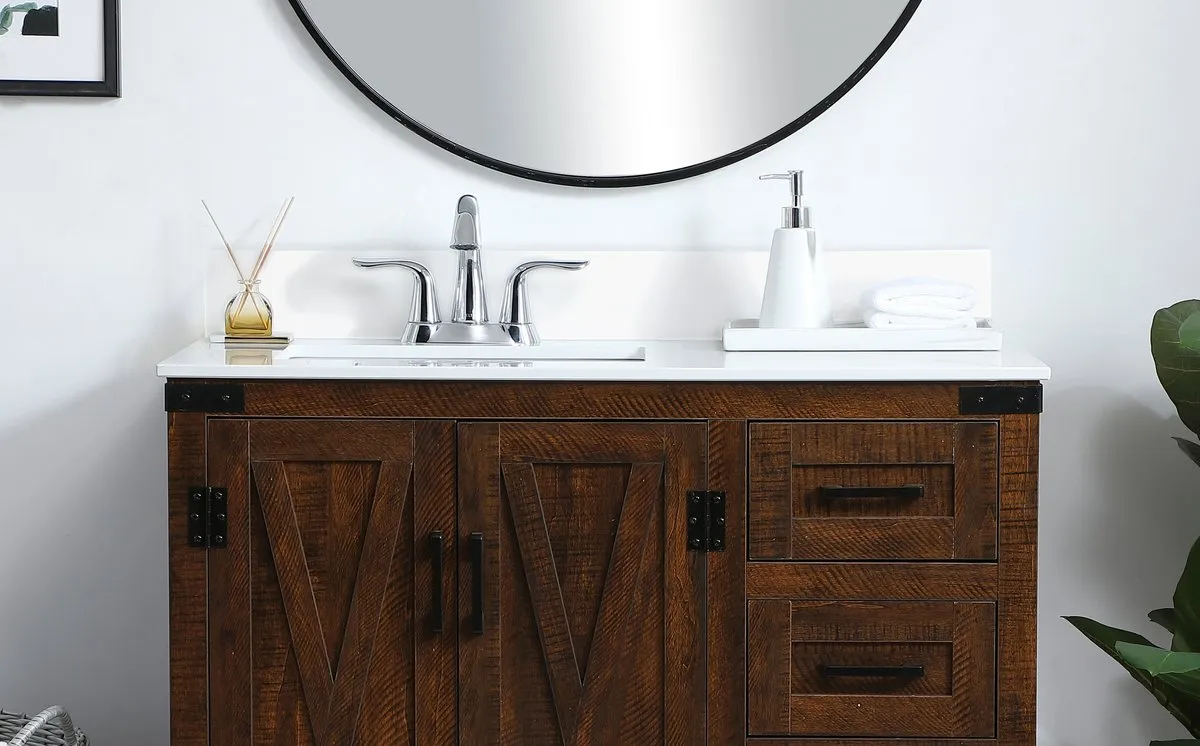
x=659 y=177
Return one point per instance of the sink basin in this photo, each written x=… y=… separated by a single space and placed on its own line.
x=398 y=354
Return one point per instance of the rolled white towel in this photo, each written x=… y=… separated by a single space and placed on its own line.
x=881 y=320
x=922 y=297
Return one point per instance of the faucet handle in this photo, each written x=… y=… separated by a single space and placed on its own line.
x=515 y=313
x=424 y=303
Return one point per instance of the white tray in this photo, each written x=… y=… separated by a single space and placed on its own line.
x=743 y=335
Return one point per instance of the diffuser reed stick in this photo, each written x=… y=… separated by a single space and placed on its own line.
x=229 y=249
x=270 y=244
x=262 y=257
x=258 y=325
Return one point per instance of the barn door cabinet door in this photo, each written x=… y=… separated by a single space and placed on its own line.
x=324 y=619
x=581 y=607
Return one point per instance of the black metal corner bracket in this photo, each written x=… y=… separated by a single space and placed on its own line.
x=218 y=398
x=1023 y=399
x=706 y=521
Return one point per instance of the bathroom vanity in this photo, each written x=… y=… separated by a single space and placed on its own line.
x=695 y=547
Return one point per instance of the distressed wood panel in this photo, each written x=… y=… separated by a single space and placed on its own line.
x=594 y=624
x=948 y=649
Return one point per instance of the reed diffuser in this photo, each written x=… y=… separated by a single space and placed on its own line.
x=248 y=315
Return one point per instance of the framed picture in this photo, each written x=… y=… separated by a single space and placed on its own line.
x=59 y=48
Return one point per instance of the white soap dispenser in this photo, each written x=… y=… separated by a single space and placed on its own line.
x=796 y=296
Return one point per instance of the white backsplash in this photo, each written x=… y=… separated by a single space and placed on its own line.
x=623 y=294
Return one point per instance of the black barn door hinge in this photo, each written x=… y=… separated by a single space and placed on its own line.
x=706 y=521
x=208 y=519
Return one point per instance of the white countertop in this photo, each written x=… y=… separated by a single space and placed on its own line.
x=664 y=361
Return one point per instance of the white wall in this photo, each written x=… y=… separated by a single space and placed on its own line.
x=1061 y=135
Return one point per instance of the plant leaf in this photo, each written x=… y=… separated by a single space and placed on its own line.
x=22 y=7
x=1175 y=346
x=1164 y=618
x=1186 y=600
x=1182 y=706
x=6 y=16
x=1179 y=669
x=1155 y=661
x=1190 y=448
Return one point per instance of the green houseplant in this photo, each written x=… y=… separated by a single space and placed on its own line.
x=1171 y=674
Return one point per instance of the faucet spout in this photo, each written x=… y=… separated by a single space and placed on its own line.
x=465 y=234
x=470 y=301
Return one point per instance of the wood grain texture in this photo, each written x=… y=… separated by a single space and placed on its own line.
x=636 y=400
x=872 y=443
x=299 y=601
x=622 y=608
x=875 y=716
x=230 y=614
x=542 y=578
x=954 y=643
x=953 y=463
x=313 y=634
x=770 y=495
x=593 y=628
x=935 y=659
x=186 y=468
x=727 y=444
x=330 y=440
x=976 y=489
x=769 y=665
x=878 y=581
x=975 y=669
x=584 y=443
x=937 y=481
x=1017 y=609
x=396 y=681
x=633 y=687
x=435 y=690
x=870 y=538
x=685 y=623
x=354 y=656
x=873 y=621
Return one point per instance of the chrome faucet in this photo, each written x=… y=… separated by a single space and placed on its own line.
x=469 y=322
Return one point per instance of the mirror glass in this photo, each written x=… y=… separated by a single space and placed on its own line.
x=605 y=92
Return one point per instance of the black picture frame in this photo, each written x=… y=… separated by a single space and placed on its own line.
x=573 y=180
x=109 y=87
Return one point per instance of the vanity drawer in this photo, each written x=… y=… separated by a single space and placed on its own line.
x=873 y=490
x=871 y=669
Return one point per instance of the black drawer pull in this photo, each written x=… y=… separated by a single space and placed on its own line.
x=476 y=551
x=907 y=672
x=437 y=621
x=903 y=492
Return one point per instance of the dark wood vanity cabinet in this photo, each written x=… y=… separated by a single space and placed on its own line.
x=531 y=563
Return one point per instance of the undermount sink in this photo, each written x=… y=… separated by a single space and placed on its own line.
x=401 y=354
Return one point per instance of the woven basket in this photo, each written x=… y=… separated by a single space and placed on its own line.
x=51 y=727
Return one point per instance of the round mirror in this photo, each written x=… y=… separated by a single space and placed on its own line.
x=605 y=92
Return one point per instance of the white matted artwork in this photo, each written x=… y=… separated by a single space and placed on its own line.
x=59 y=48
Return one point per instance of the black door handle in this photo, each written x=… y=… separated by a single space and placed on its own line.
x=907 y=672
x=903 y=492
x=437 y=619
x=476 y=552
